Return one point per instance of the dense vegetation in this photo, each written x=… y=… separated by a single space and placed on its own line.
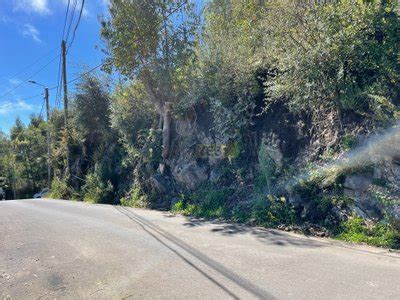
x=216 y=113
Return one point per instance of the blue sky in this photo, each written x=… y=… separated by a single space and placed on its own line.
x=31 y=29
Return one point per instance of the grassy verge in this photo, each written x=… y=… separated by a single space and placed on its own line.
x=272 y=212
x=355 y=230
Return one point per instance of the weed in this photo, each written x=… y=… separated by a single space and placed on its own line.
x=134 y=198
x=97 y=191
x=379 y=234
x=60 y=189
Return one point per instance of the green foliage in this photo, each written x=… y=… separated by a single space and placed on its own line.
x=229 y=62
x=379 y=234
x=134 y=198
x=97 y=191
x=131 y=113
x=178 y=207
x=268 y=169
x=261 y=210
x=349 y=142
x=231 y=150
x=337 y=53
x=207 y=202
x=23 y=158
x=213 y=203
x=60 y=189
x=271 y=211
x=158 y=49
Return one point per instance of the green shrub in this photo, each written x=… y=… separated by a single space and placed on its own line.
x=97 y=191
x=206 y=203
x=231 y=150
x=241 y=212
x=186 y=208
x=349 y=141
x=267 y=166
x=379 y=234
x=272 y=211
x=213 y=203
x=60 y=189
x=178 y=207
x=134 y=198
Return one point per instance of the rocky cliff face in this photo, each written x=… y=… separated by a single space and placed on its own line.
x=293 y=145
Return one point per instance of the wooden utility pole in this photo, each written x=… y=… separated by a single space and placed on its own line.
x=64 y=79
x=46 y=97
x=64 y=76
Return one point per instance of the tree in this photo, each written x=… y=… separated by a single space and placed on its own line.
x=92 y=112
x=153 y=41
x=231 y=60
x=337 y=54
x=23 y=157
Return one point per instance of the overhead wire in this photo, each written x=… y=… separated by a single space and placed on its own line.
x=71 y=20
x=84 y=73
x=103 y=63
x=77 y=23
x=26 y=80
x=66 y=18
x=24 y=69
x=41 y=110
x=58 y=94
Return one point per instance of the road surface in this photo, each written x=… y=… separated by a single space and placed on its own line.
x=70 y=250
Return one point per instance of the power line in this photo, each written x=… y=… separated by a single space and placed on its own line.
x=77 y=24
x=58 y=94
x=96 y=67
x=80 y=76
x=71 y=19
x=41 y=110
x=102 y=64
x=32 y=64
x=32 y=97
x=38 y=71
x=65 y=19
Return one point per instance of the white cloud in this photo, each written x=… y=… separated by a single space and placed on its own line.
x=36 y=6
x=14 y=81
x=85 y=13
x=31 y=31
x=12 y=107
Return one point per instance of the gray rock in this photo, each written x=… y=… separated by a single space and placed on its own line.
x=359 y=182
x=395 y=215
x=160 y=184
x=190 y=174
x=215 y=176
x=365 y=205
x=339 y=213
x=378 y=173
x=295 y=200
x=395 y=170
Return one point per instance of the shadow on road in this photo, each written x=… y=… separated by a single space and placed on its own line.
x=267 y=236
x=275 y=237
x=216 y=266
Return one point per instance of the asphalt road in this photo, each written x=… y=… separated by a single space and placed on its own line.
x=68 y=250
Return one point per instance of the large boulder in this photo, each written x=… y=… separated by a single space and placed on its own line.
x=160 y=184
x=356 y=186
x=359 y=182
x=190 y=174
